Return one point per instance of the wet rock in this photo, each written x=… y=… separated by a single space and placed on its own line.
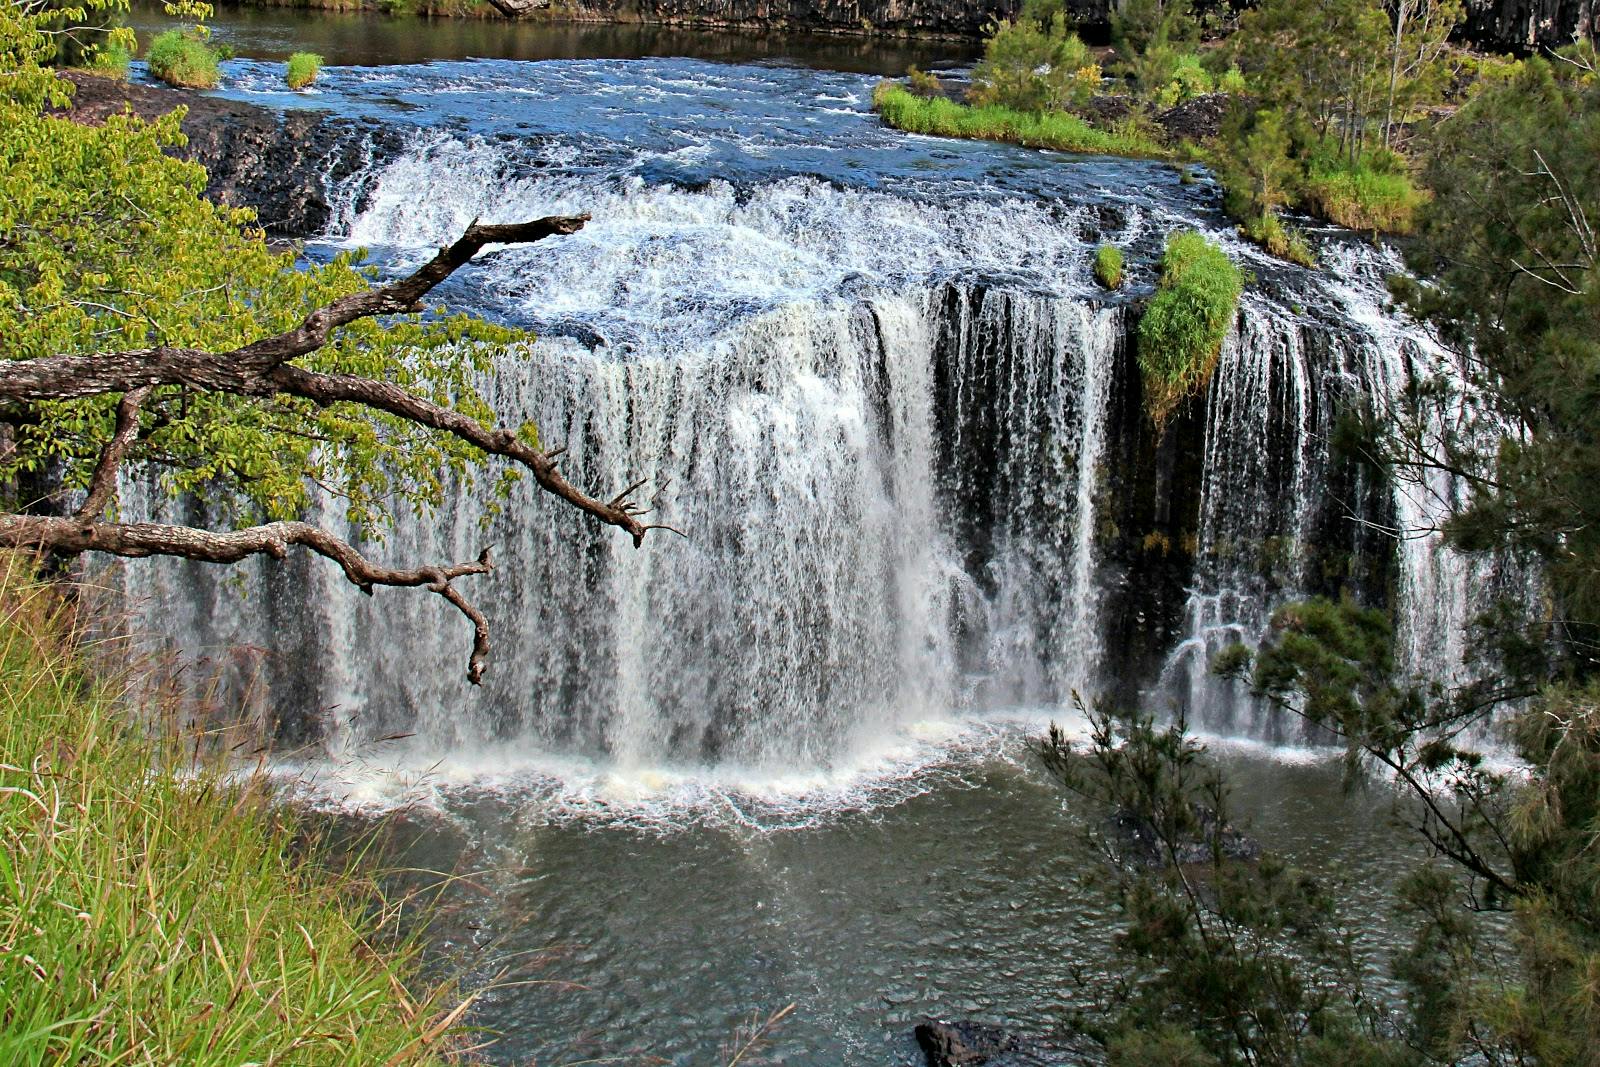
x=283 y=165
x=964 y=1043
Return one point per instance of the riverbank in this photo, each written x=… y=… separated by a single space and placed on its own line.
x=927 y=19
x=1496 y=25
x=155 y=910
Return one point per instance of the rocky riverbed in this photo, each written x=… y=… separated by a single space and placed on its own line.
x=282 y=164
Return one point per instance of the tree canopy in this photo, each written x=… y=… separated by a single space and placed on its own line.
x=146 y=327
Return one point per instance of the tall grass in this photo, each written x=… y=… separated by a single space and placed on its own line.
x=184 y=60
x=940 y=117
x=153 y=917
x=1374 y=195
x=1185 y=323
x=1108 y=266
x=110 y=61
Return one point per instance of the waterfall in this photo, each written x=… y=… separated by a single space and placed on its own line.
x=819 y=456
x=883 y=419
x=1281 y=521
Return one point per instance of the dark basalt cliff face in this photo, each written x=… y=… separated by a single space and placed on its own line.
x=948 y=18
x=282 y=165
x=1527 y=25
x=1500 y=25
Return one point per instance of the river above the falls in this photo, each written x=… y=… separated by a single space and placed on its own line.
x=870 y=375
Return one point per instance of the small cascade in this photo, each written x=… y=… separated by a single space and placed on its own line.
x=1282 y=517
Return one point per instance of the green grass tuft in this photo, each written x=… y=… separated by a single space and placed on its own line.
x=303 y=69
x=1373 y=196
x=1108 y=266
x=1285 y=242
x=153 y=917
x=1185 y=323
x=184 y=60
x=1058 y=130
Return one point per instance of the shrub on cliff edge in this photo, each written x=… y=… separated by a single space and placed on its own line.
x=1185 y=323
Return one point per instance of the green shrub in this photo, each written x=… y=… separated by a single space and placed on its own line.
x=1375 y=194
x=112 y=61
x=921 y=83
x=184 y=59
x=303 y=69
x=1057 y=130
x=154 y=908
x=1033 y=63
x=1192 y=77
x=1108 y=266
x=1185 y=323
x=1232 y=82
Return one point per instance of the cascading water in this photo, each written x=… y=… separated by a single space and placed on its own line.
x=878 y=399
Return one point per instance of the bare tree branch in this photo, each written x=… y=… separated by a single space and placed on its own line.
x=244 y=370
x=264 y=368
x=384 y=396
x=137 y=540
x=104 y=481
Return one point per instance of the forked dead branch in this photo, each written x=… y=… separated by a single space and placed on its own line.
x=265 y=368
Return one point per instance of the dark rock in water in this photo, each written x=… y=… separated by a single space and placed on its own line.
x=1140 y=844
x=965 y=1043
x=283 y=166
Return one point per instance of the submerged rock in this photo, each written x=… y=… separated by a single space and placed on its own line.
x=964 y=1043
x=1139 y=843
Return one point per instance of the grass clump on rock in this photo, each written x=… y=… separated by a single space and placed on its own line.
x=1185 y=323
x=184 y=59
x=1375 y=194
x=303 y=69
x=1108 y=266
x=155 y=909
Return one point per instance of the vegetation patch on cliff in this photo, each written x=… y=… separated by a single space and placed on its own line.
x=153 y=910
x=1185 y=323
x=1108 y=267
